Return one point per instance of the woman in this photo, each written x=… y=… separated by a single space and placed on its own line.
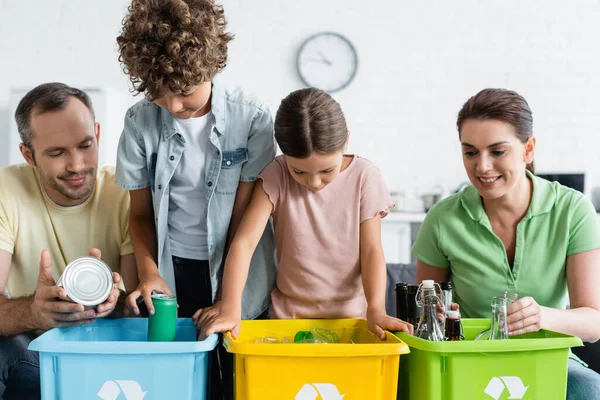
x=512 y=230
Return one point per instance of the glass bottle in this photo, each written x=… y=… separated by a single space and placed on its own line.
x=499 y=329
x=510 y=297
x=402 y=301
x=447 y=291
x=414 y=312
x=429 y=326
x=453 y=330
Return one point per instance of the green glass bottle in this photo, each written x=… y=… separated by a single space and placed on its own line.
x=163 y=323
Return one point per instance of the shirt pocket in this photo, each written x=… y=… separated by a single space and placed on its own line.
x=231 y=169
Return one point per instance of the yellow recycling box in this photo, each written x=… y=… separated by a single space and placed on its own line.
x=269 y=365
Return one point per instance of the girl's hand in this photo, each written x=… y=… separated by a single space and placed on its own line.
x=153 y=283
x=222 y=321
x=204 y=315
x=379 y=321
x=524 y=316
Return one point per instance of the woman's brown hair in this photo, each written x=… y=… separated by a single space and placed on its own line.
x=502 y=105
x=310 y=120
x=172 y=44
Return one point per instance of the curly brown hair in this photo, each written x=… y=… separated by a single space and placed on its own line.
x=172 y=44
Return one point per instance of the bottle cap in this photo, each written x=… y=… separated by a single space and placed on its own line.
x=453 y=314
x=428 y=284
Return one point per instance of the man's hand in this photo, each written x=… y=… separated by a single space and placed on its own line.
x=104 y=309
x=50 y=307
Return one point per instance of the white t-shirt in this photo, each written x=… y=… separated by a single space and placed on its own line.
x=187 y=205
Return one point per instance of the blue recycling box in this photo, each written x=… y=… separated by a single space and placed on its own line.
x=111 y=360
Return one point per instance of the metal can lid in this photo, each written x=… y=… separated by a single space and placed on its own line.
x=453 y=314
x=163 y=296
x=87 y=280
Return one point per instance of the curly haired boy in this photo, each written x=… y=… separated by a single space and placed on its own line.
x=189 y=154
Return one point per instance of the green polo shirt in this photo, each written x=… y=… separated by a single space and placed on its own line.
x=457 y=233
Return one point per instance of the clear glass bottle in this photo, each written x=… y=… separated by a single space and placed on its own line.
x=429 y=326
x=499 y=329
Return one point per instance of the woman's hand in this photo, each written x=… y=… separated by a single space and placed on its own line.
x=524 y=316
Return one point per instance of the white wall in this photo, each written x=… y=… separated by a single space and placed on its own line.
x=418 y=62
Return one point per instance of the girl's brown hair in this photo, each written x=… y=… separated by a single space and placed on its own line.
x=310 y=120
x=502 y=105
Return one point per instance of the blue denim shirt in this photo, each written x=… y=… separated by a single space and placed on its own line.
x=241 y=144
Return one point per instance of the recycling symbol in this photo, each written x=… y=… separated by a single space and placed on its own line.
x=312 y=391
x=513 y=384
x=112 y=389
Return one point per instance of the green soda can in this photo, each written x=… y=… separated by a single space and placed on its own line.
x=163 y=323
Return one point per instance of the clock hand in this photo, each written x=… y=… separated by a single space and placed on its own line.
x=325 y=60
x=319 y=60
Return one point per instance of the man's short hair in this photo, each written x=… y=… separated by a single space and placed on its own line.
x=44 y=98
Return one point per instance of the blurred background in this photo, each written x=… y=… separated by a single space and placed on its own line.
x=418 y=62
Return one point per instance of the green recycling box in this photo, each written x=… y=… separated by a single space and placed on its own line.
x=527 y=367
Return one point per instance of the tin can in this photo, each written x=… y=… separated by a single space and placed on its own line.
x=163 y=323
x=87 y=280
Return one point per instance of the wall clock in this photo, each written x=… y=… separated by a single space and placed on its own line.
x=327 y=61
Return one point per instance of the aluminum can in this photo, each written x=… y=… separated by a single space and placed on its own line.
x=87 y=280
x=162 y=325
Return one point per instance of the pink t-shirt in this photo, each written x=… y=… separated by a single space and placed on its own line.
x=317 y=236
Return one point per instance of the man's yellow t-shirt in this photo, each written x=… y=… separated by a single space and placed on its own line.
x=31 y=222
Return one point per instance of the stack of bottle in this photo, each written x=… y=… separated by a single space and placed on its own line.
x=429 y=310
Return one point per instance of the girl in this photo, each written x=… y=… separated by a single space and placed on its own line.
x=326 y=209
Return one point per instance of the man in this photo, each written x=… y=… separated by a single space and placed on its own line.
x=62 y=205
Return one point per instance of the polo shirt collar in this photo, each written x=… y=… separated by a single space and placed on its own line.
x=542 y=201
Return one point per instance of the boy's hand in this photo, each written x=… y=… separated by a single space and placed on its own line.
x=379 y=321
x=222 y=321
x=152 y=283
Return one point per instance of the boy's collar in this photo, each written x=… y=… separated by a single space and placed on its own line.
x=217 y=105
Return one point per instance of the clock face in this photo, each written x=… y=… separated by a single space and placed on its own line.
x=327 y=61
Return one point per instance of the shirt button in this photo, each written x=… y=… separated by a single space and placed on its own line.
x=209 y=184
x=171 y=158
x=159 y=187
x=228 y=162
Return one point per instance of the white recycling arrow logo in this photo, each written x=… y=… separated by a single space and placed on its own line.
x=112 y=389
x=513 y=384
x=327 y=391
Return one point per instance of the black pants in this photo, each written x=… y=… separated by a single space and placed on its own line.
x=192 y=280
